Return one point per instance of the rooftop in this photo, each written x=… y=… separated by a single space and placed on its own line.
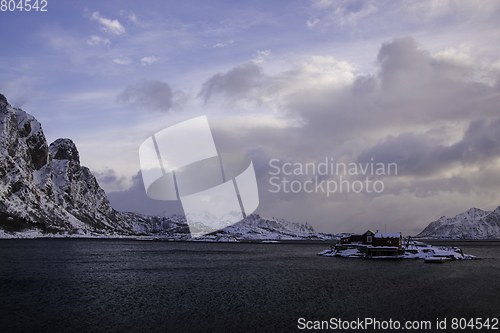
x=387 y=235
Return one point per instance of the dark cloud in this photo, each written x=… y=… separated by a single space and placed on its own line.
x=481 y=142
x=401 y=62
x=429 y=188
x=151 y=95
x=364 y=85
x=236 y=83
x=421 y=154
x=410 y=90
x=404 y=113
x=109 y=180
x=136 y=200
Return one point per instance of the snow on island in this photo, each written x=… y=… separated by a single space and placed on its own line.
x=376 y=245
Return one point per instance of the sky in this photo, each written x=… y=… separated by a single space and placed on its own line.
x=366 y=83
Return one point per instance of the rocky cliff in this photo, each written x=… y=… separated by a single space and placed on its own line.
x=45 y=186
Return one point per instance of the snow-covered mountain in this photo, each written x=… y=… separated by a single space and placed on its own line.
x=474 y=223
x=253 y=227
x=45 y=186
x=256 y=227
x=44 y=191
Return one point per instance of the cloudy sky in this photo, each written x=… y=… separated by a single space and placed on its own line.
x=414 y=83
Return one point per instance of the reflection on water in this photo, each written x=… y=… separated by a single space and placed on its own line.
x=123 y=285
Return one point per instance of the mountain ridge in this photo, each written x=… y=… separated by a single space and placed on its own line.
x=45 y=192
x=474 y=223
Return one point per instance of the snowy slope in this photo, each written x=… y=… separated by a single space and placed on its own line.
x=474 y=223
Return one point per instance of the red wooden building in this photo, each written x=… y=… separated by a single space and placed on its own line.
x=388 y=239
x=393 y=239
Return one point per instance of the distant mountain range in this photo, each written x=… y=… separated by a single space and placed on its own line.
x=473 y=224
x=45 y=192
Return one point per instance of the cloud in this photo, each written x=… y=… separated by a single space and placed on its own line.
x=133 y=18
x=458 y=56
x=312 y=23
x=220 y=45
x=112 y=26
x=84 y=54
x=430 y=115
x=149 y=60
x=233 y=84
x=96 y=40
x=342 y=13
x=409 y=90
x=153 y=95
x=322 y=4
x=262 y=56
x=424 y=154
x=109 y=180
x=344 y=17
x=122 y=61
x=249 y=83
x=432 y=10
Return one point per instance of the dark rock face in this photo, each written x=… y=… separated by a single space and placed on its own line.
x=37 y=148
x=64 y=149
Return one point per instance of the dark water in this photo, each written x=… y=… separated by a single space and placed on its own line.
x=139 y=286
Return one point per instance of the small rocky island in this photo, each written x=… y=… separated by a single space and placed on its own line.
x=383 y=245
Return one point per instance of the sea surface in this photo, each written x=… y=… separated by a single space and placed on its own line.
x=103 y=285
